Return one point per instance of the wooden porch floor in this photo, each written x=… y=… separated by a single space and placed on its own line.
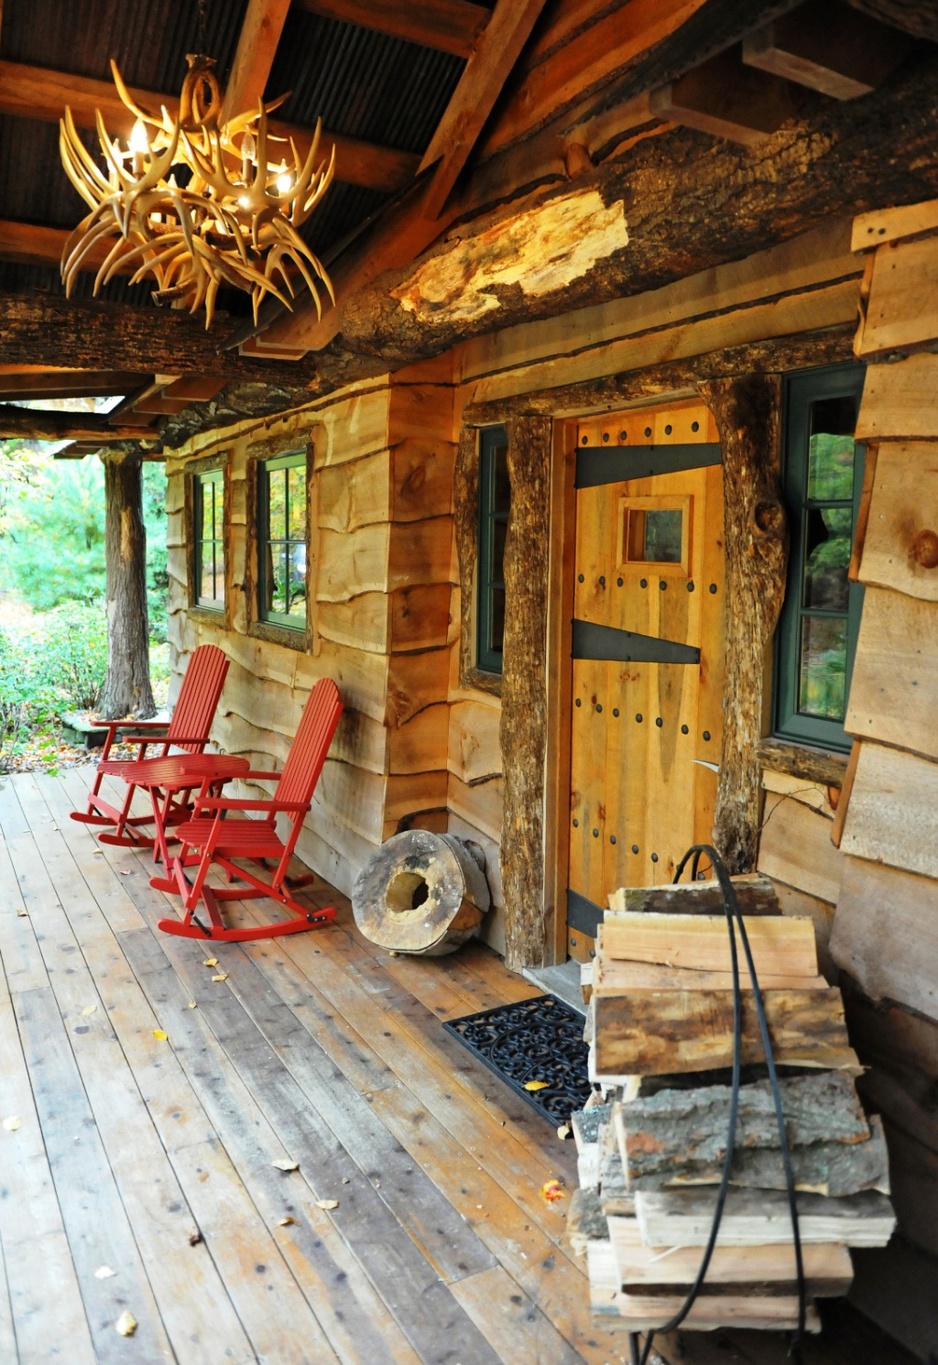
x=155 y=1158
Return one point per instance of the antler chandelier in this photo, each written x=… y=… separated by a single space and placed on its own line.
x=233 y=219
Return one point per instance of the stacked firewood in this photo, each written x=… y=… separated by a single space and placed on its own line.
x=660 y=1025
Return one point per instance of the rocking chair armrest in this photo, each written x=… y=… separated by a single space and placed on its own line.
x=205 y=803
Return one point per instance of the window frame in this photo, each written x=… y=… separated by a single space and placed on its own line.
x=215 y=474
x=801 y=391
x=488 y=658
x=295 y=458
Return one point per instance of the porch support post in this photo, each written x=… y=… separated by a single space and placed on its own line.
x=755 y=532
x=126 y=690
x=523 y=732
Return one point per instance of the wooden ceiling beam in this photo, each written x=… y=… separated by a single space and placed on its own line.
x=40 y=93
x=831 y=47
x=43 y=328
x=726 y=99
x=474 y=97
x=254 y=57
x=590 y=59
x=35 y=425
x=31 y=244
x=450 y=25
x=78 y=384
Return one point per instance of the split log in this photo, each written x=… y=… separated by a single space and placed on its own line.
x=640 y=1267
x=609 y=977
x=586 y=1221
x=755 y=895
x=755 y=1218
x=646 y=1313
x=658 y=1031
x=701 y=942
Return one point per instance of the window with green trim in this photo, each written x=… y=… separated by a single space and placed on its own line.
x=281 y=540
x=494 y=504
x=820 y=620
x=208 y=508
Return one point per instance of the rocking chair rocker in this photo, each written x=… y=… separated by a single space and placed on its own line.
x=187 y=731
x=216 y=835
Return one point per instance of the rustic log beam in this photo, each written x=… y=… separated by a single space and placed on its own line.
x=449 y=25
x=257 y=46
x=838 y=158
x=42 y=328
x=523 y=727
x=68 y=384
x=756 y=544
x=776 y=355
x=36 y=425
x=37 y=92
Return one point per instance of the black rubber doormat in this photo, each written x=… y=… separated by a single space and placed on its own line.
x=533 y=1040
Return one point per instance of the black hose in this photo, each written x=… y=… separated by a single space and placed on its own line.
x=734 y=921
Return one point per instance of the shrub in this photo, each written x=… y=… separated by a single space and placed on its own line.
x=71 y=655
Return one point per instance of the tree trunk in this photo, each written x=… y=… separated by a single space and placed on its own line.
x=126 y=690
x=747 y=416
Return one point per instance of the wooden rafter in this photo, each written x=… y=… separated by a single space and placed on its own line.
x=35 y=425
x=67 y=384
x=475 y=95
x=257 y=47
x=40 y=93
x=449 y=25
x=31 y=244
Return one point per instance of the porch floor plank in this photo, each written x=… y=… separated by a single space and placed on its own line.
x=322 y=1048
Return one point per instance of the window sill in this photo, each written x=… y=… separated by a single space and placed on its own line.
x=211 y=616
x=280 y=635
x=482 y=682
x=802 y=760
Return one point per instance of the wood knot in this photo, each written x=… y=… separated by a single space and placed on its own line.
x=769 y=517
x=925 y=549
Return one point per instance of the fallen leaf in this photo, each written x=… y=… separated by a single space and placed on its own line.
x=89 y=1009
x=195 y=1237
x=192 y=1005
x=285 y=1222
x=220 y=976
x=104 y=1272
x=98 y=853
x=161 y=1034
x=563 y=1132
x=210 y=962
x=327 y=1203
x=21 y=911
x=126 y=1324
x=125 y=872
x=12 y=1123
x=552 y=1191
x=285 y=1164
x=535 y=1085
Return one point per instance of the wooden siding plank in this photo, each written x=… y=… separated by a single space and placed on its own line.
x=891 y=816
x=900 y=400
x=795 y=848
x=885 y=933
x=894 y=691
x=903 y=505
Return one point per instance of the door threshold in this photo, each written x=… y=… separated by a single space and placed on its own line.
x=561 y=980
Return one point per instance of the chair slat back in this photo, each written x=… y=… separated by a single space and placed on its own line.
x=310 y=745
x=198 y=698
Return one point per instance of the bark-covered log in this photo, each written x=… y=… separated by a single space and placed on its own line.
x=755 y=895
x=523 y=730
x=126 y=690
x=756 y=546
x=690 y=204
x=36 y=425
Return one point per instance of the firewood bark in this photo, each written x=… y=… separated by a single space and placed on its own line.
x=755 y=895
x=756 y=543
x=523 y=728
x=126 y=690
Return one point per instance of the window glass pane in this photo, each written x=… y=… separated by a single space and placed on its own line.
x=207 y=584
x=499 y=535
x=219 y=552
x=501 y=493
x=297 y=584
x=207 y=514
x=278 y=584
x=663 y=528
x=823 y=667
x=828 y=543
x=831 y=449
x=276 y=504
x=296 y=484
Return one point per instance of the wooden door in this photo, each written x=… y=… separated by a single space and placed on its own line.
x=647 y=651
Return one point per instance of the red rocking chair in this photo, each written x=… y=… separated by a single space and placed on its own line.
x=186 y=731
x=223 y=836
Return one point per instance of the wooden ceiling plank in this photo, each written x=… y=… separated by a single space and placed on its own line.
x=195 y=388
x=592 y=58
x=726 y=99
x=474 y=97
x=40 y=93
x=453 y=26
x=254 y=57
x=831 y=48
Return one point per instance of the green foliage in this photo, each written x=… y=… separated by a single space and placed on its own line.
x=154 y=517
